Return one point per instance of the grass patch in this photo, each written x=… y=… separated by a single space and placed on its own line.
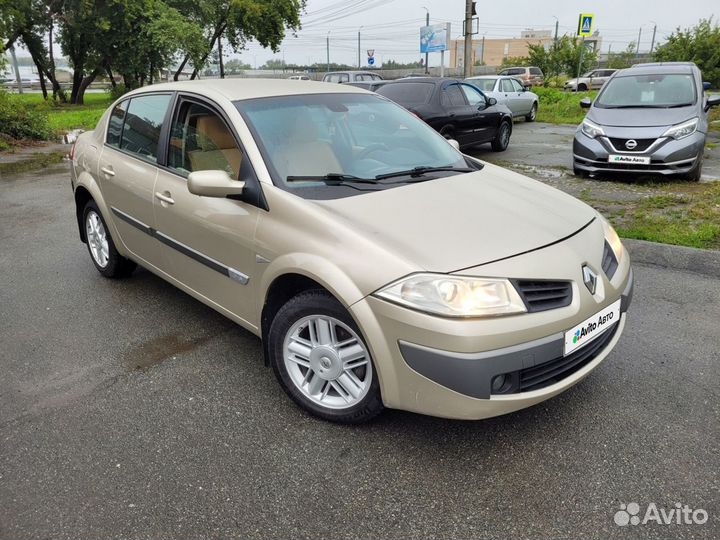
x=36 y=161
x=687 y=217
x=559 y=107
x=63 y=117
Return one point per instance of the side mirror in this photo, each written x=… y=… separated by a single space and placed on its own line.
x=492 y=101
x=214 y=184
x=586 y=103
x=454 y=144
x=706 y=85
x=713 y=101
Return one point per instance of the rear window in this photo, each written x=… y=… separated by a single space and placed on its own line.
x=486 y=85
x=535 y=71
x=410 y=93
x=513 y=71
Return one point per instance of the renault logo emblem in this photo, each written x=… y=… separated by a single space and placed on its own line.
x=630 y=144
x=589 y=278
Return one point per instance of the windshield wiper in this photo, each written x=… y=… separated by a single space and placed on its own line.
x=332 y=179
x=419 y=171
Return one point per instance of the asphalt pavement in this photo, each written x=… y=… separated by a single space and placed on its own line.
x=130 y=410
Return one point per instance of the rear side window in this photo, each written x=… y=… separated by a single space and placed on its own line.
x=115 y=125
x=513 y=71
x=143 y=121
x=516 y=85
x=407 y=93
x=535 y=71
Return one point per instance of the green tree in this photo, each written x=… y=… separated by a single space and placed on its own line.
x=238 y=21
x=274 y=63
x=562 y=56
x=699 y=44
x=624 y=59
x=509 y=61
x=236 y=67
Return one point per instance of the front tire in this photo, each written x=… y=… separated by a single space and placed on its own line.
x=696 y=172
x=321 y=360
x=582 y=87
x=101 y=246
x=502 y=137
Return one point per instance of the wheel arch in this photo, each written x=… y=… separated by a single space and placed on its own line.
x=282 y=281
x=86 y=189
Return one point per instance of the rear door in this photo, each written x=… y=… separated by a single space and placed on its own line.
x=128 y=170
x=208 y=242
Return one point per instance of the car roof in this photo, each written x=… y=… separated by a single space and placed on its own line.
x=659 y=68
x=238 y=89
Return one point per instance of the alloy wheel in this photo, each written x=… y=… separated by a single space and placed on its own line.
x=327 y=361
x=97 y=239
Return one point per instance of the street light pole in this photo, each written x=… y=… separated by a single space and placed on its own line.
x=637 y=48
x=467 y=53
x=359 y=46
x=427 y=23
x=652 y=43
x=557 y=22
x=327 y=49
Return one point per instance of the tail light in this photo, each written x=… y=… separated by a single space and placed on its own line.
x=72 y=151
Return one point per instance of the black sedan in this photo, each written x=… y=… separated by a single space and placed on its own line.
x=457 y=110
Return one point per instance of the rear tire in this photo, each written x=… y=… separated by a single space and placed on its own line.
x=101 y=246
x=321 y=360
x=533 y=113
x=502 y=137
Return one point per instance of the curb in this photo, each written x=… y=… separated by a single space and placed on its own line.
x=699 y=261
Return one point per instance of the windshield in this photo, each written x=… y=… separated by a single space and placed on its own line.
x=651 y=91
x=351 y=137
x=485 y=85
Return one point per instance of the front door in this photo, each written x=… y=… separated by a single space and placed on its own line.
x=484 y=116
x=460 y=113
x=208 y=242
x=128 y=170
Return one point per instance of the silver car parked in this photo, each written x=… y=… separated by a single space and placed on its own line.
x=510 y=92
x=592 y=80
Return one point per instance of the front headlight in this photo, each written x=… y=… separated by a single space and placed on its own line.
x=591 y=130
x=455 y=296
x=612 y=238
x=682 y=130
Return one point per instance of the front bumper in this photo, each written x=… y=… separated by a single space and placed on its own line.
x=444 y=367
x=667 y=156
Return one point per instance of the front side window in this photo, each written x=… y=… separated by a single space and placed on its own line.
x=115 y=125
x=452 y=96
x=201 y=141
x=143 y=121
x=474 y=97
x=306 y=137
x=648 y=91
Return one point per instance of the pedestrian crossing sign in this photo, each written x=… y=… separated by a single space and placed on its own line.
x=585 y=24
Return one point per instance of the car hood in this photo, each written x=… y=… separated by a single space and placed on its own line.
x=641 y=117
x=466 y=220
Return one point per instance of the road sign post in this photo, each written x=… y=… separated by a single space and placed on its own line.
x=585 y=28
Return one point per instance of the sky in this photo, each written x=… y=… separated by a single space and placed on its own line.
x=391 y=27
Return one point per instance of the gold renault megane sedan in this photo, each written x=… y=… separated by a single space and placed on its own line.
x=379 y=265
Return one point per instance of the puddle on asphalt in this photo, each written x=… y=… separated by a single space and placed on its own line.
x=144 y=356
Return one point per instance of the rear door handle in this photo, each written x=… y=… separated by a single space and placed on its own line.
x=107 y=171
x=164 y=198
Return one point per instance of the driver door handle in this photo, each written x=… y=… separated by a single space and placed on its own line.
x=164 y=198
